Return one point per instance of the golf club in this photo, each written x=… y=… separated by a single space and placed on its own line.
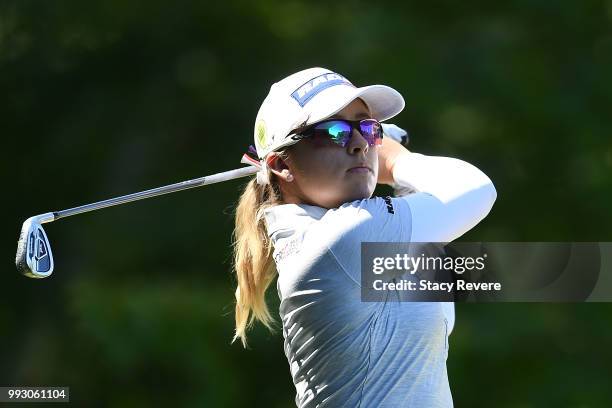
x=34 y=257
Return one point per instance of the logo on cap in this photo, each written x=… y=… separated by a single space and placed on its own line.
x=317 y=84
x=260 y=133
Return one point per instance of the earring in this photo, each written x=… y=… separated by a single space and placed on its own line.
x=289 y=177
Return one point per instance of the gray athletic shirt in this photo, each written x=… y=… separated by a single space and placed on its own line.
x=343 y=352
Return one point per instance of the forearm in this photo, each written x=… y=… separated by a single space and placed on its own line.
x=452 y=196
x=445 y=178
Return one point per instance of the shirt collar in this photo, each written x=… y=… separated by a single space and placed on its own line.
x=290 y=217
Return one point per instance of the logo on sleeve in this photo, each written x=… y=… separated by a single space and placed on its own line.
x=290 y=248
x=389 y=203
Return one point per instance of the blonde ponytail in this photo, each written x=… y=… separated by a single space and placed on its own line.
x=253 y=262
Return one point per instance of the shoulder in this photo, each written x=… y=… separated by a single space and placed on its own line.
x=379 y=218
x=374 y=206
x=341 y=231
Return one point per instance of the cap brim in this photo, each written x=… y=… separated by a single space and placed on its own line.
x=383 y=101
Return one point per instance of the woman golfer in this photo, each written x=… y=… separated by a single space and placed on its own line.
x=320 y=145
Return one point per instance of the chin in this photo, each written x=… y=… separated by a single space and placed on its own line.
x=341 y=194
x=359 y=194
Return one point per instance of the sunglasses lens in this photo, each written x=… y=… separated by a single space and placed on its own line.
x=336 y=130
x=340 y=131
x=371 y=131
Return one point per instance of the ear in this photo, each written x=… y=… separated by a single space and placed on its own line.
x=279 y=167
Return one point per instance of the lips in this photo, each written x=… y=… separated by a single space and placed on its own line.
x=361 y=167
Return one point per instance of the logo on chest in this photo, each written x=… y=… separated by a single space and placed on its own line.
x=389 y=203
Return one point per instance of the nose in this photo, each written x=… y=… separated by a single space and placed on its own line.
x=357 y=144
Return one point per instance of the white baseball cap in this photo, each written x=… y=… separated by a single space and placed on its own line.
x=308 y=97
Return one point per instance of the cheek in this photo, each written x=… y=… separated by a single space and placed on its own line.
x=322 y=167
x=373 y=159
x=321 y=176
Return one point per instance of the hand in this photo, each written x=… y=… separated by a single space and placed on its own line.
x=388 y=152
x=396 y=133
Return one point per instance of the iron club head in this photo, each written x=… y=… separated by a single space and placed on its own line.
x=34 y=258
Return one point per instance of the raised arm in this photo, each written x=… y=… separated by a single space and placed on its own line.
x=452 y=196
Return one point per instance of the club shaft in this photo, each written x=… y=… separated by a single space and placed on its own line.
x=183 y=185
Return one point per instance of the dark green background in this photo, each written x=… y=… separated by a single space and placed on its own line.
x=104 y=98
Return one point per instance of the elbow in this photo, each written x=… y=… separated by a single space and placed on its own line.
x=480 y=190
x=480 y=202
x=488 y=195
x=484 y=192
x=492 y=193
x=481 y=198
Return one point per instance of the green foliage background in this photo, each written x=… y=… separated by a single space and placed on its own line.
x=104 y=98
